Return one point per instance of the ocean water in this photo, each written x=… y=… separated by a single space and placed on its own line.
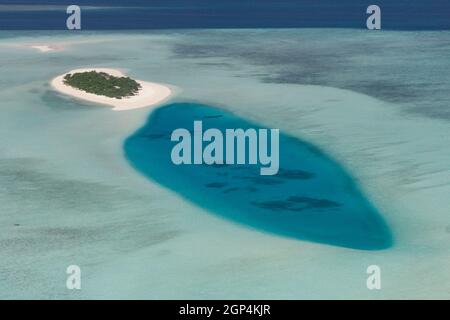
x=68 y=194
x=163 y=14
x=310 y=197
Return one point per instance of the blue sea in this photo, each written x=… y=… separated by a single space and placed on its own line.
x=310 y=198
x=164 y=14
x=364 y=175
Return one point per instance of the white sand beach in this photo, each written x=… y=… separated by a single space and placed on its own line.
x=150 y=93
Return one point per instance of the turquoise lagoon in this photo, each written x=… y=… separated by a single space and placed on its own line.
x=69 y=196
x=310 y=198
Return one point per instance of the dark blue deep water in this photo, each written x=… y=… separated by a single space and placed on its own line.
x=311 y=198
x=162 y=14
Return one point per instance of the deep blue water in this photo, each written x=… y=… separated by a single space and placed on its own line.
x=311 y=198
x=161 y=14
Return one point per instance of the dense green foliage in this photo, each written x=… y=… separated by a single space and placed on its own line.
x=104 y=84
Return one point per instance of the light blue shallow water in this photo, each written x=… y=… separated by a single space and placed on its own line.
x=69 y=196
x=310 y=198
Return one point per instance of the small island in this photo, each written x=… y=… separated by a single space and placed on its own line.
x=111 y=87
x=102 y=83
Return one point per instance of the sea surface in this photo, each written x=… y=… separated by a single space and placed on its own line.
x=176 y=14
x=375 y=104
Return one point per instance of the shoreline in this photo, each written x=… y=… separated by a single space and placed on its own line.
x=149 y=95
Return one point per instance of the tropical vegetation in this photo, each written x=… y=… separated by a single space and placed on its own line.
x=102 y=83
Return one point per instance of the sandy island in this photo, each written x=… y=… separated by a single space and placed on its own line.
x=45 y=48
x=41 y=47
x=150 y=93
